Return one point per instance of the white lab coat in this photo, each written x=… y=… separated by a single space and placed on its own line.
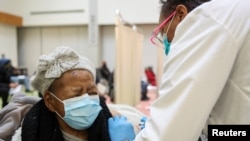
x=207 y=74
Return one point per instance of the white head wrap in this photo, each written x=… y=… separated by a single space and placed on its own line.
x=53 y=65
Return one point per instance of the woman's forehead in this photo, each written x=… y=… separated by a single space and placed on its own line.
x=69 y=77
x=77 y=73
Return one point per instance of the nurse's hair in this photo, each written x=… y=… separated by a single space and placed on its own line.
x=168 y=6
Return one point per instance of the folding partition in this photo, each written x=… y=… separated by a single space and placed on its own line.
x=128 y=63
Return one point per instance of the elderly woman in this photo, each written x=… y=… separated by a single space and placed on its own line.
x=71 y=108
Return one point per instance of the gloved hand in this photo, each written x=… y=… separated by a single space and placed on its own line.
x=143 y=122
x=120 y=129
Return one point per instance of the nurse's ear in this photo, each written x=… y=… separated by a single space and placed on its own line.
x=181 y=12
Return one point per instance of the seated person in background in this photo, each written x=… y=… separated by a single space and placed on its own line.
x=19 y=78
x=144 y=90
x=6 y=69
x=71 y=108
x=151 y=78
x=105 y=72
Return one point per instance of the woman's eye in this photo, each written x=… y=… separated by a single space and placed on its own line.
x=78 y=95
x=92 y=93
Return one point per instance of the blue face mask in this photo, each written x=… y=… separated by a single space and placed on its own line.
x=166 y=44
x=81 y=111
x=165 y=39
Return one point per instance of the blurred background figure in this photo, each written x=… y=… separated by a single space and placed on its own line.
x=6 y=70
x=20 y=78
x=105 y=72
x=151 y=79
x=144 y=86
x=112 y=86
x=104 y=80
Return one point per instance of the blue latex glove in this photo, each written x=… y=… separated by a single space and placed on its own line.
x=143 y=122
x=120 y=129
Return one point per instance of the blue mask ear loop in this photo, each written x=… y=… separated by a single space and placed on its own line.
x=165 y=39
x=166 y=44
x=58 y=100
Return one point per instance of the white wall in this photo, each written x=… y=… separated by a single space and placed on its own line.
x=35 y=41
x=108 y=45
x=149 y=56
x=8 y=40
x=42 y=32
x=75 y=12
x=29 y=47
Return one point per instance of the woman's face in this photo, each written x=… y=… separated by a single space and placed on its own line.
x=71 y=84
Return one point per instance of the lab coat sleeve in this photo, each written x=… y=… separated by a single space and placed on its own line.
x=197 y=68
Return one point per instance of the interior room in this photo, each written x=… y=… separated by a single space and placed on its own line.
x=116 y=70
x=30 y=29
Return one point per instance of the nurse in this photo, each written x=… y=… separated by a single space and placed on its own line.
x=206 y=77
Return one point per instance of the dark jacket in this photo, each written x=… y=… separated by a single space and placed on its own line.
x=40 y=124
x=6 y=70
x=105 y=73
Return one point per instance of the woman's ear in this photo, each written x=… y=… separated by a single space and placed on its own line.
x=181 y=12
x=49 y=102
